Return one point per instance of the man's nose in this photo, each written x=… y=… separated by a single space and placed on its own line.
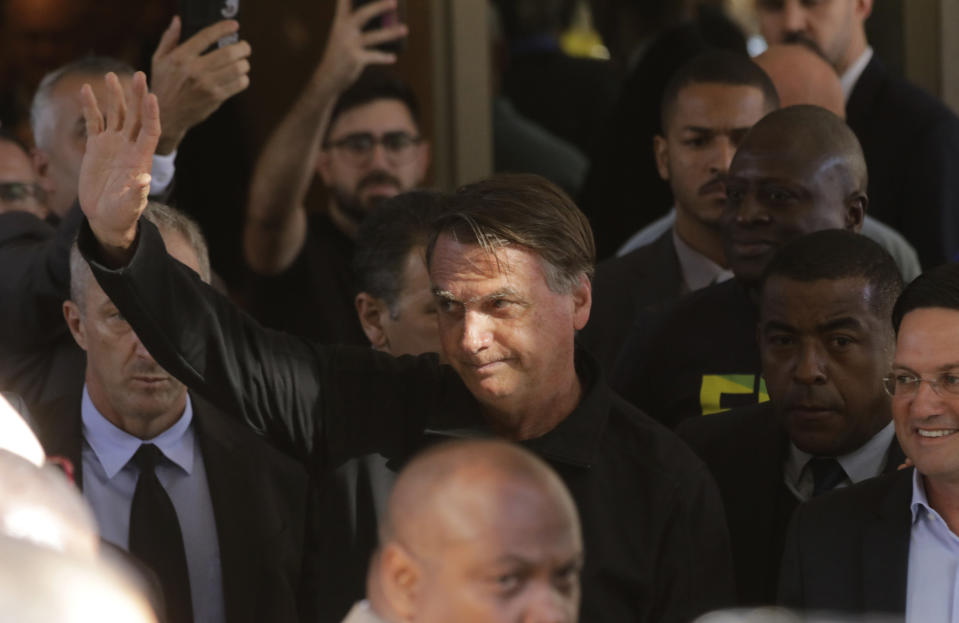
x=141 y=350
x=476 y=331
x=379 y=158
x=549 y=605
x=722 y=156
x=810 y=365
x=926 y=401
x=751 y=211
x=794 y=17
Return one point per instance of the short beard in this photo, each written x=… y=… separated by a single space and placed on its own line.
x=350 y=204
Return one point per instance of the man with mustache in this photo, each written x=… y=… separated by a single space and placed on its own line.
x=707 y=108
x=799 y=170
x=910 y=138
x=358 y=129
x=826 y=343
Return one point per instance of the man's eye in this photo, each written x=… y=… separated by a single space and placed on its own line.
x=842 y=341
x=949 y=380
x=397 y=141
x=780 y=339
x=905 y=379
x=698 y=141
x=508 y=582
x=734 y=194
x=501 y=304
x=778 y=195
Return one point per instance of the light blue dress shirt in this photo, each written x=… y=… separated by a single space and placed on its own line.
x=110 y=478
x=932 y=589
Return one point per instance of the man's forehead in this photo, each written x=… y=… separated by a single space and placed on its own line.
x=458 y=265
x=376 y=117
x=719 y=104
x=785 y=296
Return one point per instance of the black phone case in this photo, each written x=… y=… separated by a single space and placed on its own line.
x=398 y=15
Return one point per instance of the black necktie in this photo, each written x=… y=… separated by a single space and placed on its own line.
x=826 y=474
x=155 y=536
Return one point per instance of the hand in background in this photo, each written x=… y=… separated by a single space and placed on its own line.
x=115 y=172
x=191 y=85
x=349 y=49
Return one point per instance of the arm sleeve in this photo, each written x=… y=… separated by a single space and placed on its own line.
x=318 y=403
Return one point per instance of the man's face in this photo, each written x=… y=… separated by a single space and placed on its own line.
x=775 y=195
x=708 y=121
x=19 y=190
x=508 y=563
x=61 y=146
x=827 y=24
x=505 y=332
x=927 y=422
x=825 y=351
x=413 y=330
x=359 y=180
x=123 y=379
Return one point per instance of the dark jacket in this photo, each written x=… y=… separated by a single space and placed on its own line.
x=261 y=501
x=745 y=450
x=652 y=524
x=848 y=551
x=911 y=143
x=622 y=287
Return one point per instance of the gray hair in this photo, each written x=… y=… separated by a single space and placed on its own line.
x=40 y=121
x=167 y=220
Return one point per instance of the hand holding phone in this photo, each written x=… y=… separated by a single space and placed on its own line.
x=383 y=20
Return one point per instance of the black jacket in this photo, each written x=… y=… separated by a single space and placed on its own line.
x=911 y=143
x=848 y=551
x=745 y=450
x=652 y=524
x=649 y=276
x=694 y=357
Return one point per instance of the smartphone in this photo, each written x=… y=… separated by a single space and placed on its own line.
x=384 y=20
x=198 y=14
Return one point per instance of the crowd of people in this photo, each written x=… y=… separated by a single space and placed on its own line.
x=437 y=406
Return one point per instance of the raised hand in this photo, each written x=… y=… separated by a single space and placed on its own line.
x=115 y=172
x=349 y=49
x=191 y=85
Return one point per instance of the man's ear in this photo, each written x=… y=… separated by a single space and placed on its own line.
x=661 y=153
x=41 y=164
x=372 y=313
x=582 y=302
x=400 y=581
x=863 y=9
x=856 y=205
x=71 y=313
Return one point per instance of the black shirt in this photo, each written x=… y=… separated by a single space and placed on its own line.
x=697 y=357
x=656 y=542
x=314 y=296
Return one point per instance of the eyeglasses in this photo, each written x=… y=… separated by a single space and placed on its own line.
x=903 y=385
x=357 y=148
x=18 y=192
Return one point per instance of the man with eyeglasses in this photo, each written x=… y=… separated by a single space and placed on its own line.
x=891 y=545
x=357 y=128
x=826 y=342
x=19 y=187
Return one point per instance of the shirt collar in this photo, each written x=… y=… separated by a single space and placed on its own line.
x=115 y=447
x=849 y=79
x=575 y=440
x=866 y=461
x=698 y=270
x=919 y=500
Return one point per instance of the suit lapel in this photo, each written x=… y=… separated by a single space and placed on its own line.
x=885 y=549
x=230 y=479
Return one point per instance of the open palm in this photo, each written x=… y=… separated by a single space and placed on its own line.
x=115 y=172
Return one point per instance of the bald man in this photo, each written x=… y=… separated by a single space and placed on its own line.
x=802 y=76
x=476 y=532
x=700 y=356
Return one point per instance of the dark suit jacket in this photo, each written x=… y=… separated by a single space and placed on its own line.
x=260 y=506
x=848 y=551
x=745 y=450
x=911 y=143
x=622 y=287
x=38 y=356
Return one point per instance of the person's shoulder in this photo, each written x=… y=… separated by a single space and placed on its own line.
x=719 y=427
x=653 y=447
x=911 y=106
x=864 y=500
x=636 y=262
